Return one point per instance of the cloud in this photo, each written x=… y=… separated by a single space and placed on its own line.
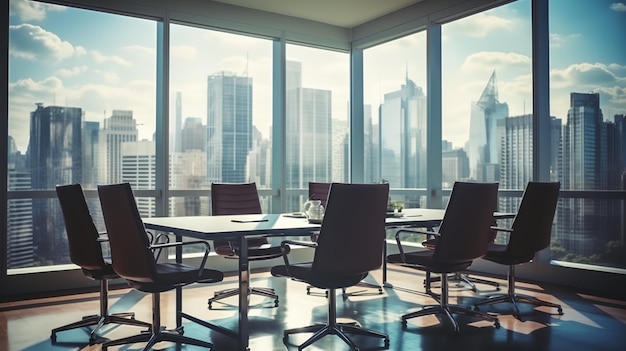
x=480 y=25
x=101 y=58
x=31 y=10
x=71 y=72
x=36 y=44
x=585 y=75
x=490 y=60
x=618 y=7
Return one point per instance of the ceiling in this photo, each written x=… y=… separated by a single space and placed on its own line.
x=343 y=13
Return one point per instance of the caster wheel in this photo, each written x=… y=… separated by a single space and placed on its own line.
x=210 y=305
x=308 y=291
x=53 y=337
x=560 y=310
x=404 y=324
x=276 y=303
x=496 y=324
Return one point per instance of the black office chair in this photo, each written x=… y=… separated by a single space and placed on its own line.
x=319 y=191
x=86 y=252
x=133 y=259
x=530 y=233
x=462 y=237
x=233 y=199
x=350 y=245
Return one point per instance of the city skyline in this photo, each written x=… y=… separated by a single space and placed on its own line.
x=52 y=63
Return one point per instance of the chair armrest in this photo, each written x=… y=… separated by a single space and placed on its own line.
x=501 y=229
x=411 y=231
x=207 y=250
x=286 y=249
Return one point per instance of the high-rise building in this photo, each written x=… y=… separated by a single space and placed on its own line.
x=119 y=128
x=229 y=127
x=91 y=142
x=54 y=157
x=138 y=168
x=309 y=155
x=483 y=148
x=515 y=136
x=454 y=167
x=193 y=135
x=19 y=212
x=176 y=139
x=402 y=123
x=584 y=162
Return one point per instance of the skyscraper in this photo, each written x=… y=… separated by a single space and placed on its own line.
x=119 y=128
x=229 y=127
x=584 y=167
x=309 y=132
x=403 y=136
x=483 y=147
x=55 y=157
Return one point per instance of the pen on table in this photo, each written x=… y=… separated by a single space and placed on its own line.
x=248 y=221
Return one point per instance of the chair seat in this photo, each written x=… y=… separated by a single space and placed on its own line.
x=303 y=272
x=176 y=274
x=424 y=260
x=498 y=253
x=105 y=272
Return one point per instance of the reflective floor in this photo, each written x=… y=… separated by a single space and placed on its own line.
x=588 y=322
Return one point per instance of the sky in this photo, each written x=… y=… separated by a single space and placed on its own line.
x=100 y=62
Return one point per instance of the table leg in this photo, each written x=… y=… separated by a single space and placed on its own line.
x=179 y=290
x=244 y=285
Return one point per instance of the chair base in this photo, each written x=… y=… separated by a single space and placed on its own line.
x=157 y=333
x=340 y=329
x=126 y=318
x=447 y=312
x=515 y=300
x=154 y=337
x=267 y=292
x=461 y=279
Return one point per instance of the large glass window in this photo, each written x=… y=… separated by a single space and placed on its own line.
x=221 y=113
x=487 y=98
x=394 y=80
x=81 y=110
x=587 y=89
x=317 y=105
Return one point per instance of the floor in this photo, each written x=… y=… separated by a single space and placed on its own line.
x=588 y=323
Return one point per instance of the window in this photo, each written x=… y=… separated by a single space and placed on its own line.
x=317 y=97
x=394 y=80
x=81 y=103
x=587 y=85
x=221 y=113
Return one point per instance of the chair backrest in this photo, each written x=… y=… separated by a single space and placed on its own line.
x=234 y=199
x=465 y=230
x=532 y=226
x=131 y=256
x=352 y=235
x=319 y=191
x=82 y=234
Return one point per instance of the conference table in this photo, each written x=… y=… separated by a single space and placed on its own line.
x=241 y=227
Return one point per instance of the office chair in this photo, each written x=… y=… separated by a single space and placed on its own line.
x=350 y=245
x=319 y=191
x=133 y=259
x=86 y=252
x=530 y=233
x=233 y=199
x=463 y=236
